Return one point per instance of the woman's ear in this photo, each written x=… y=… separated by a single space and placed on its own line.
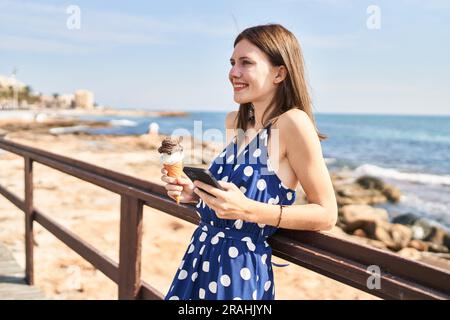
x=281 y=74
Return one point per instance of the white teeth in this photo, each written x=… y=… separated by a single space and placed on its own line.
x=240 y=85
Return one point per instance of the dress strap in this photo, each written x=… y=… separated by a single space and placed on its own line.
x=268 y=127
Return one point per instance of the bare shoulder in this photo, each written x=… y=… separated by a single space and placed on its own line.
x=231 y=120
x=296 y=122
x=293 y=116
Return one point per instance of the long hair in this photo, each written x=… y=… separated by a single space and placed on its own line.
x=282 y=48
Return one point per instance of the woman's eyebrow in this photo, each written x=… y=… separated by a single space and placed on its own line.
x=241 y=58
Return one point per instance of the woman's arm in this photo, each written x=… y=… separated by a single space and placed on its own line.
x=304 y=154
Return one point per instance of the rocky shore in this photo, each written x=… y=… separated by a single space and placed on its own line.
x=92 y=213
x=405 y=234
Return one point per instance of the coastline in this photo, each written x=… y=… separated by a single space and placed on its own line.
x=93 y=214
x=31 y=114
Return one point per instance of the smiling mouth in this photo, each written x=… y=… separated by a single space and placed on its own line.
x=239 y=86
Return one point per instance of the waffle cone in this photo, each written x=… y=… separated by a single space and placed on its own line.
x=174 y=171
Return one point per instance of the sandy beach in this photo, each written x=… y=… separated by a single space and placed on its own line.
x=93 y=214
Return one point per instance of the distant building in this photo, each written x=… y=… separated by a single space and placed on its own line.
x=66 y=101
x=16 y=94
x=84 y=99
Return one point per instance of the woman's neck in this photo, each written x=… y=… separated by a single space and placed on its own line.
x=258 y=111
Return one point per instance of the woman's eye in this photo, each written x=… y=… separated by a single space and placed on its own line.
x=246 y=62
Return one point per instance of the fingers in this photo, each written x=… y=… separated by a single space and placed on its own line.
x=173 y=187
x=168 y=179
x=184 y=181
x=226 y=185
x=173 y=194
x=210 y=200
x=210 y=189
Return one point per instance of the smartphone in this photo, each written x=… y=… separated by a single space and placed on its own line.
x=202 y=175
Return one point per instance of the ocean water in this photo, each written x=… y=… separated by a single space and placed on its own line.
x=411 y=152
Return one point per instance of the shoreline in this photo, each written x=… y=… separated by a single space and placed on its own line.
x=31 y=114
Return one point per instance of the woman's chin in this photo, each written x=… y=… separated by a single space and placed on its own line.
x=240 y=100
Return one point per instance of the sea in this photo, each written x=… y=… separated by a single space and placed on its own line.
x=411 y=152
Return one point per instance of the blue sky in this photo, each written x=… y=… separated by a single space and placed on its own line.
x=174 y=55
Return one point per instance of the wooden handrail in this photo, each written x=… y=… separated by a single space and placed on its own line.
x=337 y=258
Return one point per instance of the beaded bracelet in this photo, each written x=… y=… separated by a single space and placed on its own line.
x=281 y=213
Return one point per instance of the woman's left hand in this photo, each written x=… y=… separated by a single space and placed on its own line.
x=229 y=203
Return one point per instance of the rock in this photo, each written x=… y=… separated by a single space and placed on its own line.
x=407 y=219
x=392 y=193
x=447 y=240
x=358 y=239
x=438 y=237
x=418 y=245
x=438 y=248
x=400 y=235
x=355 y=194
x=364 y=220
x=395 y=236
x=410 y=253
x=369 y=182
x=421 y=228
x=351 y=213
x=366 y=190
x=377 y=244
x=360 y=233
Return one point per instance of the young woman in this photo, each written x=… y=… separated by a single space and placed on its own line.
x=228 y=256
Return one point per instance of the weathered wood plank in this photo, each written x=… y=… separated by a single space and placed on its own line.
x=13 y=285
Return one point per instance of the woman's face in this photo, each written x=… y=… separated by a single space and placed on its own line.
x=252 y=75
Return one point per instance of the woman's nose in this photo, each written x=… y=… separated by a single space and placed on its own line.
x=235 y=72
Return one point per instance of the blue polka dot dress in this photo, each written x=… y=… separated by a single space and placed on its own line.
x=231 y=259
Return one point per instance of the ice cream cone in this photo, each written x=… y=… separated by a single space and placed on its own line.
x=174 y=171
x=172 y=158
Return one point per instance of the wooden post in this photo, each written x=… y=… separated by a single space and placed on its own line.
x=29 y=240
x=130 y=247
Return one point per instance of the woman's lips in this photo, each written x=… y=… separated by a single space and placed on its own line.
x=239 y=86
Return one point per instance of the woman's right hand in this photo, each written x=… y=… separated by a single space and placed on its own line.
x=179 y=186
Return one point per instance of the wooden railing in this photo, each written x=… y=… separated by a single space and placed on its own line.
x=326 y=254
